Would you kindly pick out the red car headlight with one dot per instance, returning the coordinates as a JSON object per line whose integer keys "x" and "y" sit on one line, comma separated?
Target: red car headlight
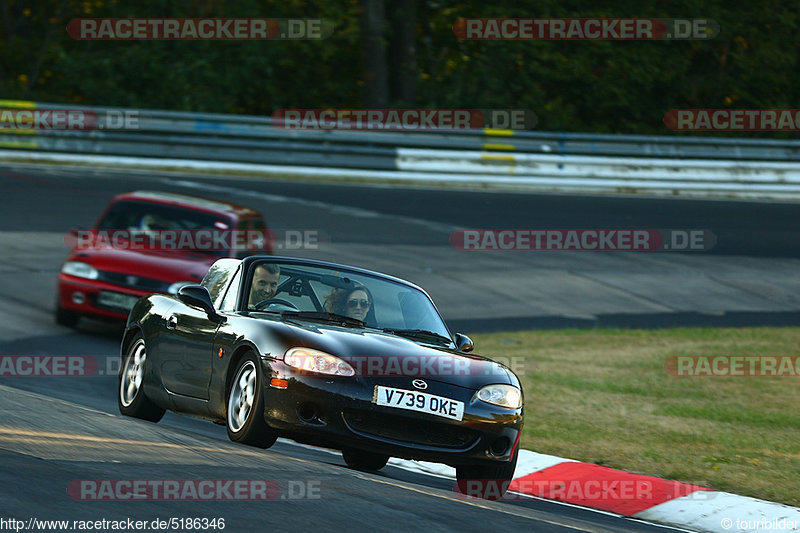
{"x": 79, "y": 269}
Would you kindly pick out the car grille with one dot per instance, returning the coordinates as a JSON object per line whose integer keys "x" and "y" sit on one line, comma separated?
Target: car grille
{"x": 402, "y": 429}
{"x": 132, "y": 281}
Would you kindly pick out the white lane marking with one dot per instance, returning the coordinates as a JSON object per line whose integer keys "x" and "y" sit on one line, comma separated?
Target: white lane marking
{"x": 336, "y": 209}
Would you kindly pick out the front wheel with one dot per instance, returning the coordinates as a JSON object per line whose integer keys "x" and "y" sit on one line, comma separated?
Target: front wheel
{"x": 245, "y": 418}
{"x": 130, "y": 397}
{"x": 362, "y": 460}
{"x": 486, "y": 482}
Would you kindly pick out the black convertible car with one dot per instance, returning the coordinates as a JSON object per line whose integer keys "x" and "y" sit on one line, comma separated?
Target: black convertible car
{"x": 325, "y": 354}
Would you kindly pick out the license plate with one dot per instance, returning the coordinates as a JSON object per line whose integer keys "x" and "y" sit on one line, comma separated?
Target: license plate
{"x": 419, "y": 401}
{"x": 116, "y": 300}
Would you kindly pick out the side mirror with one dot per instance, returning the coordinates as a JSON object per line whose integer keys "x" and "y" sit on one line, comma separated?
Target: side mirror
{"x": 197, "y": 296}
{"x": 464, "y": 343}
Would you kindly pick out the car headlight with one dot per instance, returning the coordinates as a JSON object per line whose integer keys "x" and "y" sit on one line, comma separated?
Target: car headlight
{"x": 310, "y": 360}
{"x": 79, "y": 269}
{"x": 502, "y": 395}
{"x": 175, "y": 287}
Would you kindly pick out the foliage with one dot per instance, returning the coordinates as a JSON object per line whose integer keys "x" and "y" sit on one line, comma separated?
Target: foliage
{"x": 591, "y": 86}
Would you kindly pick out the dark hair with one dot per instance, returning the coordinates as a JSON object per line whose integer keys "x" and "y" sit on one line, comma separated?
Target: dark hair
{"x": 336, "y": 302}
{"x": 272, "y": 268}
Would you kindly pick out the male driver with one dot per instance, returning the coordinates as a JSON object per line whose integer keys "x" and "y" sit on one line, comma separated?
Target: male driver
{"x": 265, "y": 283}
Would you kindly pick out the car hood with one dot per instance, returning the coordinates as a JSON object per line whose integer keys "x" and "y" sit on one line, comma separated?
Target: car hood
{"x": 375, "y": 354}
{"x": 167, "y": 267}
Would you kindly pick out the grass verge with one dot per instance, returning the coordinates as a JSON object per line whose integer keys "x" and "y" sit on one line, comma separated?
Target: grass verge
{"x": 604, "y": 397}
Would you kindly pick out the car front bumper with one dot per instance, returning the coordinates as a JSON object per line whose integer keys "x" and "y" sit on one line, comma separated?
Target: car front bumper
{"x": 340, "y": 413}
{"x": 83, "y": 296}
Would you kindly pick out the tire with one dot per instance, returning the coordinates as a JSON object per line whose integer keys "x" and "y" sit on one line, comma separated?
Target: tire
{"x": 486, "y": 482}
{"x": 130, "y": 393}
{"x": 245, "y": 412}
{"x": 66, "y": 318}
{"x": 362, "y": 460}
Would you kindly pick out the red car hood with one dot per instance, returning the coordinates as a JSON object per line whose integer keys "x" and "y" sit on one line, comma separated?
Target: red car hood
{"x": 168, "y": 267}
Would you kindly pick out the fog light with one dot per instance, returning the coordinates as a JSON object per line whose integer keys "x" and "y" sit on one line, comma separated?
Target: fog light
{"x": 309, "y": 412}
{"x": 499, "y": 446}
{"x": 78, "y": 298}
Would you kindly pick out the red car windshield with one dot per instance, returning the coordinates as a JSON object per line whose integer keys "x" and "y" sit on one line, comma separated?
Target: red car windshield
{"x": 168, "y": 227}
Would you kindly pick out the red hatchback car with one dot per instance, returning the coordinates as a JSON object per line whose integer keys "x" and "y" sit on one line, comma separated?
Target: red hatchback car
{"x": 151, "y": 242}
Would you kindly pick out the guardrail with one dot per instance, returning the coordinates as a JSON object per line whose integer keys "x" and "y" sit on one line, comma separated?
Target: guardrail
{"x": 559, "y": 161}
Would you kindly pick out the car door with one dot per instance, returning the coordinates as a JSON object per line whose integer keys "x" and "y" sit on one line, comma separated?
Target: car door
{"x": 187, "y": 347}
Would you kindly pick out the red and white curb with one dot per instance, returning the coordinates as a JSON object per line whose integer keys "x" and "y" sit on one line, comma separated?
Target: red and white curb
{"x": 637, "y": 496}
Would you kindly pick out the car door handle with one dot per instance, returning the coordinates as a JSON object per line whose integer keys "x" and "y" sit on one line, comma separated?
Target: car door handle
{"x": 172, "y": 322}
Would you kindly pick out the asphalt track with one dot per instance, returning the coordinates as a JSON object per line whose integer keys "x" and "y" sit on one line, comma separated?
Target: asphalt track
{"x": 56, "y": 430}
{"x": 748, "y": 278}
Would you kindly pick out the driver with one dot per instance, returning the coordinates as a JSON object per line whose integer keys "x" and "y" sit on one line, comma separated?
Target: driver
{"x": 265, "y": 283}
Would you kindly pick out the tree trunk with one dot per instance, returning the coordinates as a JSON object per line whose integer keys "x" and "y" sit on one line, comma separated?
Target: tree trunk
{"x": 373, "y": 29}
{"x": 403, "y": 52}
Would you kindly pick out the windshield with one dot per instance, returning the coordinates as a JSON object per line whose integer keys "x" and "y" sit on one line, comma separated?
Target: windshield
{"x": 166, "y": 227}
{"x": 312, "y": 292}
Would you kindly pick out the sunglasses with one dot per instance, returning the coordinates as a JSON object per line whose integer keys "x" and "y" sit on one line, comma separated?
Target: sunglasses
{"x": 354, "y": 303}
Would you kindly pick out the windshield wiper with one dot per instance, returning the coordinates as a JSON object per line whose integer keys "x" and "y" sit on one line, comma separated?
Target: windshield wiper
{"x": 323, "y": 316}
{"x": 418, "y": 333}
